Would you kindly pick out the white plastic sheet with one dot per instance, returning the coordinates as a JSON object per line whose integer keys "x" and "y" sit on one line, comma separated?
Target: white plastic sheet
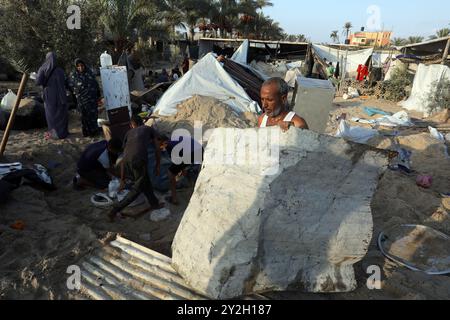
{"x": 8, "y": 101}
{"x": 400, "y": 119}
{"x": 423, "y": 85}
{"x": 291, "y": 76}
{"x": 206, "y": 78}
{"x": 354, "y": 58}
{"x": 241, "y": 54}
{"x": 379, "y": 59}
{"x": 355, "y": 134}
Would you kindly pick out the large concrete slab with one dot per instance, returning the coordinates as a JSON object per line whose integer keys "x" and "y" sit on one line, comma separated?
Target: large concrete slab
{"x": 252, "y": 228}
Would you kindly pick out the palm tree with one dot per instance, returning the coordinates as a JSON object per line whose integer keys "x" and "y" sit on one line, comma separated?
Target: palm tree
{"x": 415, "y": 39}
{"x": 335, "y": 36}
{"x": 442, "y": 33}
{"x": 347, "y": 27}
{"x": 120, "y": 18}
{"x": 398, "y": 42}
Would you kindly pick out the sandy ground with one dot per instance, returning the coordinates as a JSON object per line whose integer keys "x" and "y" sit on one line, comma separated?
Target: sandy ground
{"x": 398, "y": 200}
{"x": 62, "y": 226}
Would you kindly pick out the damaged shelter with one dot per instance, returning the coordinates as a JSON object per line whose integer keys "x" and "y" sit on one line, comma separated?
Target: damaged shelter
{"x": 230, "y": 83}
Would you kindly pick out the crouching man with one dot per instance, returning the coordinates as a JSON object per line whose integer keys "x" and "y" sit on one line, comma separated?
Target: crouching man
{"x": 95, "y": 167}
{"x": 177, "y": 148}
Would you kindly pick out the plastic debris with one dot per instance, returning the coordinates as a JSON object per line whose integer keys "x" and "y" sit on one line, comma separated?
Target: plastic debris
{"x": 424, "y": 181}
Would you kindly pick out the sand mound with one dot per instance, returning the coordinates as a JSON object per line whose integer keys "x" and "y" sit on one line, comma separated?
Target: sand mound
{"x": 210, "y": 112}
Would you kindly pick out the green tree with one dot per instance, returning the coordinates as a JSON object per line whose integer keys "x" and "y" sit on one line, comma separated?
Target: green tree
{"x": 398, "y": 42}
{"x": 414, "y": 39}
{"x": 29, "y": 29}
{"x": 442, "y": 33}
{"x": 335, "y": 36}
{"x": 347, "y": 27}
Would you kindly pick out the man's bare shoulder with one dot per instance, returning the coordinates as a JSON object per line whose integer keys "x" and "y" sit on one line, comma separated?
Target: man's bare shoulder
{"x": 260, "y": 120}
{"x": 299, "y": 122}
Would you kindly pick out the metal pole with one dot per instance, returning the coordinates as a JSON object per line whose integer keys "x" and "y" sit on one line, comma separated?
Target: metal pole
{"x": 23, "y": 84}
{"x": 447, "y": 48}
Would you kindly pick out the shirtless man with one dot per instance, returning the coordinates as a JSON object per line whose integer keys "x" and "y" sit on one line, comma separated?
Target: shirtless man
{"x": 274, "y": 98}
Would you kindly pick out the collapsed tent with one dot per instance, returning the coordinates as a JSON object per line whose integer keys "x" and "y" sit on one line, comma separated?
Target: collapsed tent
{"x": 241, "y": 54}
{"x": 249, "y": 79}
{"x": 425, "y": 84}
{"x": 379, "y": 59}
{"x": 429, "y": 51}
{"x": 207, "y": 78}
{"x": 354, "y": 58}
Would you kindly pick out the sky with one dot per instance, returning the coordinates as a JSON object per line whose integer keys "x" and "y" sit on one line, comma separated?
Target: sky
{"x": 316, "y": 19}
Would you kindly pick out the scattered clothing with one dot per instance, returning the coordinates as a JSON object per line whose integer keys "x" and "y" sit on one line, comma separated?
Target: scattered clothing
{"x": 400, "y": 119}
{"x": 52, "y": 79}
{"x": 37, "y": 176}
{"x": 7, "y": 168}
{"x": 363, "y": 72}
{"x": 374, "y": 111}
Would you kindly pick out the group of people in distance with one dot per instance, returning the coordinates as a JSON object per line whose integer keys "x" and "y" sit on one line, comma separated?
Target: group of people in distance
{"x": 129, "y": 159}
{"x": 96, "y": 163}
{"x": 83, "y": 85}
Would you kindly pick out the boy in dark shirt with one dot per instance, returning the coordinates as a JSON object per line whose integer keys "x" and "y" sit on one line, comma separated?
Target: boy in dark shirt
{"x": 179, "y": 162}
{"x": 135, "y": 164}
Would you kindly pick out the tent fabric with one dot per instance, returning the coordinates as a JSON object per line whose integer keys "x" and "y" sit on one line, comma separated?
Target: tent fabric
{"x": 246, "y": 77}
{"x": 354, "y": 133}
{"x": 379, "y": 59}
{"x": 241, "y": 54}
{"x": 291, "y": 76}
{"x": 354, "y": 58}
{"x": 394, "y": 64}
{"x": 423, "y": 85}
{"x": 206, "y": 78}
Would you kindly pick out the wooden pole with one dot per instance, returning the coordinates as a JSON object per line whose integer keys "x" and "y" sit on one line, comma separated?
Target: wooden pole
{"x": 445, "y": 56}
{"x": 5, "y": 138}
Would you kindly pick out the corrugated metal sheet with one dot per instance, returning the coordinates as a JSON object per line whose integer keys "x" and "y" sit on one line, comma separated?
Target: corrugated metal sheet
{"x": 124, "y": 270}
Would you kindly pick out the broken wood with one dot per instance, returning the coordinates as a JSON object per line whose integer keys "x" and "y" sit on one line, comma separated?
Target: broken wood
{"x": 12, "y": 117}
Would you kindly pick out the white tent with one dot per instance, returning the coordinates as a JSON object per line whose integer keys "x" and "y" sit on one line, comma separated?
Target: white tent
{"x": 424, "y": 81}
{"x": 354, "y": 58}
{"x": 379, "y": 59}
{"x": 241, "y": 54}
{"x": 206, "y": 78}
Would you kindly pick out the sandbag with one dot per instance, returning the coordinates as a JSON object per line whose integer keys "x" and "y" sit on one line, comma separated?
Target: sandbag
{"x": 30, "y": 115}
{"x": 8, "y": 101}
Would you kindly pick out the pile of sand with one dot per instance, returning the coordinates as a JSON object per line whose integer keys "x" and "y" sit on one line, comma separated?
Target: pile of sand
{"x": 210, "y": 112}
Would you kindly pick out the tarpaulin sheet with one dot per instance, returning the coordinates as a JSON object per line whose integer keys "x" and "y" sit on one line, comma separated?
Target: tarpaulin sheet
{"x": 424, "y": 85}
{"x": 207, "y": 78}
{"x": 241, "y": 54}
{"x": 354, "y": 58}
